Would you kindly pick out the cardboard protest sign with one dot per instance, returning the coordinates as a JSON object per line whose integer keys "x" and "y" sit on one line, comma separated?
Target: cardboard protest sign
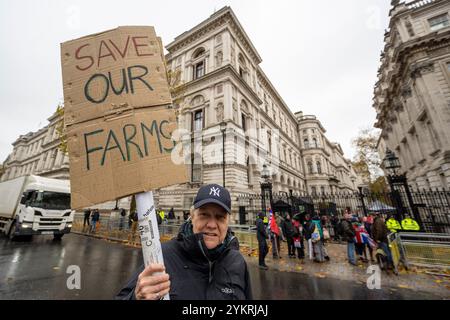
{"x": 116, "y": 68}
{"x": 121, "y": 156}
{"x": 117, "y": 116}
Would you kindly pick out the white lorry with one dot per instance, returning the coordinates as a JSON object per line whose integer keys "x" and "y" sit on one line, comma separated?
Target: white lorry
{"x": 31, "y": 205}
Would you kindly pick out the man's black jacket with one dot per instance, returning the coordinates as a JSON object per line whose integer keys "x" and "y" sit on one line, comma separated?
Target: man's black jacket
{"x": 195, "y": 275}
{"x": 261, "y": 233}
{"x": 288, "y": 228}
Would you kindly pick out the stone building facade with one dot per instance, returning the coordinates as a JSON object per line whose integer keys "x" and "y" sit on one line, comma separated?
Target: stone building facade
{"x": 412, "y": 94}
{"x": 38, "y": 153}
{"x": 326, "y": 168}
{"x": 222, "y": 84}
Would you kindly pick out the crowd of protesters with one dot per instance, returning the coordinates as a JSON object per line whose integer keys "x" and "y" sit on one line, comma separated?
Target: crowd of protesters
{"x": 307, "y": 235}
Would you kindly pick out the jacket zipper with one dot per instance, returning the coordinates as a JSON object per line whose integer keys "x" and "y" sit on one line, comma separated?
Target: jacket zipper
{"x": 209, "y": 262}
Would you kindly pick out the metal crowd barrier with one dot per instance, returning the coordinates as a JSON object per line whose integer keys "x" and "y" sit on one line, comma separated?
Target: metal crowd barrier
{"x": 119, "y": 229}
{"x": 425, "y": 249}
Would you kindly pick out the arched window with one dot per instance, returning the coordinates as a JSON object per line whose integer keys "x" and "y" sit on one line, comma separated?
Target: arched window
{"x": 199, "y": 63}
{"x": 310, "y": 167}
{"x": 319, "y": 167}
{"x": 242, "y": 67}
{"x": 306, "y": 143}
{"x": 198, "y": 53}
{"x": 314, "y": 143}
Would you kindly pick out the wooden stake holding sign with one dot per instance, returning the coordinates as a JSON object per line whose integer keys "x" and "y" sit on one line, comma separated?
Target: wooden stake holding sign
{"x": 118, "y": 124}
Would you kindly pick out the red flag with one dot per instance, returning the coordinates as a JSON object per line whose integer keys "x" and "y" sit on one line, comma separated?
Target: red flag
{"x": 273, "y": 224}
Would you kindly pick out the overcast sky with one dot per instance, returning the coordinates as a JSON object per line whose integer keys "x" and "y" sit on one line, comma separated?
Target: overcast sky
{"x": 321, "y": 56}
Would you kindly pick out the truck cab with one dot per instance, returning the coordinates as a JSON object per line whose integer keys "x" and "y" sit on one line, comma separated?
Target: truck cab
{"x": 44, "y": 208}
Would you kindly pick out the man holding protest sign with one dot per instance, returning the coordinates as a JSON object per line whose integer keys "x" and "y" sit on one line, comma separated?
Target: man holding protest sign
{"x": 119, "y": 124}
{"x": 119, "y": 128}
{"x": 201, "y": 263}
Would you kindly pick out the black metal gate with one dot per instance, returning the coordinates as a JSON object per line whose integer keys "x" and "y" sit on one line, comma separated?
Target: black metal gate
{"x": 431, "y": 208}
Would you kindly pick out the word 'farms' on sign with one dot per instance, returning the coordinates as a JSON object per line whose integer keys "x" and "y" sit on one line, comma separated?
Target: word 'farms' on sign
{"x": 127, "y": 141}
{"x": 123, "y": 156}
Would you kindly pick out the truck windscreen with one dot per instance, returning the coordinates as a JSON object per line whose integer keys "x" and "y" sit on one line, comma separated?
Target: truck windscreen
{"x": 52, "y": 200}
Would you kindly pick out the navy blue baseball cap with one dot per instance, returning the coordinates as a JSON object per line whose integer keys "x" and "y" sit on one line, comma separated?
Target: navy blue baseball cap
{"x": 213, "y": 193}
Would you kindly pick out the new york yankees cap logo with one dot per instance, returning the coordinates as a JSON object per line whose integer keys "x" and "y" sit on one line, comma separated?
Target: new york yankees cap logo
{"x": 213, "y": 193}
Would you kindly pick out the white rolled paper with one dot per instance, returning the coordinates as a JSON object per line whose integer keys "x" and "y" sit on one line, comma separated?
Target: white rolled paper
{"x": 148, "y": 230}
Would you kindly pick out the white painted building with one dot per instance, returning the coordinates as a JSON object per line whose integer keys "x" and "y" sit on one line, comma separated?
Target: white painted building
{"x": 224, "y": 82}
{"x": 412, "y": 94}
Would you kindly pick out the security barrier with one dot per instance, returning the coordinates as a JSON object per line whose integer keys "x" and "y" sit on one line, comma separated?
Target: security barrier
{"x": 425, "y": 249}
{"x": 119, "y": 229}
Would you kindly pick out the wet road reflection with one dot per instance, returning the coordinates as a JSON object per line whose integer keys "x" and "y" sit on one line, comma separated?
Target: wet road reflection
{"x": 37, "y": 270}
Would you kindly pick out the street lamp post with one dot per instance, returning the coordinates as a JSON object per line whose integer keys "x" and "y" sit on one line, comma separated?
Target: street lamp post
{"x": 223, "y": 128}
{"x": 391, "y": 163}
{"x": 266, "y": 189}
{"x": 361, "y": 197}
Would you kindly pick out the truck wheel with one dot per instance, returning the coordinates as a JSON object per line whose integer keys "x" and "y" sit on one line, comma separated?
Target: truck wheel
{"x": 12, "y": 232}
{"x": 57, "y": 237}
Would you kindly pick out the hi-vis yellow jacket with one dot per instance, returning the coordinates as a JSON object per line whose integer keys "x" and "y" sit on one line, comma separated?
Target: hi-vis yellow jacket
{"x": 410, "y": 224}
{"x": 393, "y": 225}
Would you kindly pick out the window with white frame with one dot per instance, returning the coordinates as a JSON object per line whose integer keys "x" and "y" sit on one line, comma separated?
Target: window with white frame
{"x": 199, "y": 70}
{"x": 196, "y": 173}
{"x": 439, "y": 22}
{"x": 243, "y": 72}
{"x": 199, "y": 63}
{"x": 198, "y": 120}
{"x": 306, "y": 143}
{"x": 243, "y": 119}
{"x": 310, "y": 167}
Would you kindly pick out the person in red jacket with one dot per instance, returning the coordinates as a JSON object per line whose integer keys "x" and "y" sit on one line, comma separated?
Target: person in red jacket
{"x": 298, "y": 237}
{"x": 360, "y": 244}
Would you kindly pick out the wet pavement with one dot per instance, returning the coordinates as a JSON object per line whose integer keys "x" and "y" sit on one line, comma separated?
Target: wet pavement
{"x": 36, "y": 269}
{"x": 274, "y": 284}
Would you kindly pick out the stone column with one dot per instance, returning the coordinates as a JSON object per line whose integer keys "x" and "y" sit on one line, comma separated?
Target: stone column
{"x": 228, "y": 101}
{"x": 436, "y": 103}
{"x": 226, "y": 48}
